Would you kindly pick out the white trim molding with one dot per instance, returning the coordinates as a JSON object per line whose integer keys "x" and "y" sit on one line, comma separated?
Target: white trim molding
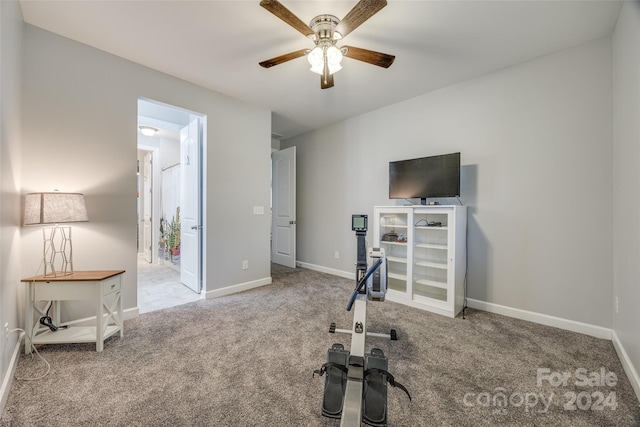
{"x": 632, "y": 374}
{"x": 327, "y": 270}
{"x": 8, "y": 377}
{"x": 228, "y": 290}
{"x": 542, "y": 319}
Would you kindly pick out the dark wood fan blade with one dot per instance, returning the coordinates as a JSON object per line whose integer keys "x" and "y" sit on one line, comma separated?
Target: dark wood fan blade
{"x": 275, "y": 7}
{"x": 369, "y": 56}
{"x": 282, "y": 58}
{"x": 362, "y": 11}
{"x": 326, "y": 80}
{"x": 326, "y": 83}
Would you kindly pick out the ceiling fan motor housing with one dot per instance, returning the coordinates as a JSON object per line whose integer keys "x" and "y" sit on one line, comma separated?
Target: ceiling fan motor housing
{"x": 324, "y": 27}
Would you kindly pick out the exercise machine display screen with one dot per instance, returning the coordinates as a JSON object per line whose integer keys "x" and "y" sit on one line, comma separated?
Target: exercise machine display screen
{"x": 359, "y": 222}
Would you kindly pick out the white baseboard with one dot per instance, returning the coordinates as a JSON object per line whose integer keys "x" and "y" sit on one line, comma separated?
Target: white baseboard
{"x": 130, "y": 313}
{"x": 542, "y": 319}
{"x": 631, "y": 372}
{"x": 327, "y": 270}
{"x": 8, "y": 377}
{"x": 215, "y": 293}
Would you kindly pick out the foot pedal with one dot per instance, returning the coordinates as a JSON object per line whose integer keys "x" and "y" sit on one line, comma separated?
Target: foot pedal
{"x": 336, "y": 381}
{"x": 374, "y": 400}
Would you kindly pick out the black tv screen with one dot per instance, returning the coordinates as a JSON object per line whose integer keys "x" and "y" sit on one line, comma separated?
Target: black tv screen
{"x": 425, "y": 177}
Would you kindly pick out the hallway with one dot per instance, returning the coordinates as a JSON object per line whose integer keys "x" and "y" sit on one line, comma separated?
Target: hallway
{"x": 159, "y": 287}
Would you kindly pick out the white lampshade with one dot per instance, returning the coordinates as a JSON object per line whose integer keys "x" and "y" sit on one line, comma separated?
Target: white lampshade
{"x": 54, "y": 208}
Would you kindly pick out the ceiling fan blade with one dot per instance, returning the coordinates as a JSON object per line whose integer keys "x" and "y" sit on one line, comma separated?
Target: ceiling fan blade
{"x": 362, "y": 11}
{"x": 282, "y": 58}
{"x": 369, "y": 56}
{"x": 326, "y": 79}
{"x": 275, "y": 7}
{"x": 326, "y": 83}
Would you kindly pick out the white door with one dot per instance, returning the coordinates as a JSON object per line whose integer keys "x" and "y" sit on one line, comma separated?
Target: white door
{"x": 190, "y": 190}
{"x": 147, "y": 206}
{"x": 283, "y": 239}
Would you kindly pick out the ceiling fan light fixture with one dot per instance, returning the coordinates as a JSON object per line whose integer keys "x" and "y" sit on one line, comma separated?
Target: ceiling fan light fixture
{"x": 316, "y": 57}
{"x": 334, "y": 68}
{"x": 317, "y": 68}
{"x": 334, "y": 55}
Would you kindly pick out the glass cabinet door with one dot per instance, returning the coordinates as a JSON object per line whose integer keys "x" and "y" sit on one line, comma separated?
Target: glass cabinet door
{"x": 393, "y": 239}
{"x": 430, "y": 255}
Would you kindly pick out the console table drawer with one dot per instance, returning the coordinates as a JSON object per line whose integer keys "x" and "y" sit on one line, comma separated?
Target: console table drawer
{"x": 111, "y": 285}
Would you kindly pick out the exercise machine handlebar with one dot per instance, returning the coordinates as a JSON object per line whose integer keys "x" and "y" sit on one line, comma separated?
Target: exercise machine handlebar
{"x": 362, "y": 282}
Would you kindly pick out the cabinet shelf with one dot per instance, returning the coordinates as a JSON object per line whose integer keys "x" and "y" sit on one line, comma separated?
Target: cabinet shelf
{"x": 430, "y": 264}
{"x": 397, "y": 276}
{"x": 431, "y": 227}
{"x": 431, "y": 283}
{"x": 397, "y": 259}
{"x": 74, "y": 334}
{"x": 384, "y": 242}
{"x": 432, "y": 246}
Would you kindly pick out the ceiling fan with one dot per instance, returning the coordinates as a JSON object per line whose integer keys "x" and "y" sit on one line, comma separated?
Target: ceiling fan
{"x": 325, "y": 31}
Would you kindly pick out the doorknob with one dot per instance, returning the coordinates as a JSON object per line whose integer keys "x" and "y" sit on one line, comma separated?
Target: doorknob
{"x": 196, "y": 227}
{"x": 292, "y": 222}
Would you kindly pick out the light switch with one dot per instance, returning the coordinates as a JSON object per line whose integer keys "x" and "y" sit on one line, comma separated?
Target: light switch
{"x": 258, "y": 210}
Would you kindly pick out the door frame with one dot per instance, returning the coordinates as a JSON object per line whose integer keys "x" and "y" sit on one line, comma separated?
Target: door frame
{"x": 175, "y": 125}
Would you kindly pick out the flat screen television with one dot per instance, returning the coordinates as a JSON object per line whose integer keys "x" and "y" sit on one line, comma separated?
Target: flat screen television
{"x": 425, "y": 177}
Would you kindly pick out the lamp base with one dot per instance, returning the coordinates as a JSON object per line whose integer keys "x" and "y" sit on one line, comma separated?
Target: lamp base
{"x": 57, "y": 251}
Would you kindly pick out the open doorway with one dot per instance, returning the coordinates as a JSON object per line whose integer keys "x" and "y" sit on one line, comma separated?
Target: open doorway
{"x": 170, "y": 208}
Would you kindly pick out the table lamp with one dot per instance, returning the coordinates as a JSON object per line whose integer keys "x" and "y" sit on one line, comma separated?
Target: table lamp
{"x": 55, "y": 208}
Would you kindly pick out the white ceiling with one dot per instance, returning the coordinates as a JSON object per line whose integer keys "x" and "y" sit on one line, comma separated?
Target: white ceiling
{"x": 218, "y": 44}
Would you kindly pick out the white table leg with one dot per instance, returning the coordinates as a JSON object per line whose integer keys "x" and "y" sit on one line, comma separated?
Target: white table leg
{"x": 99, "y": 319}
{"x": 28, "y": 327}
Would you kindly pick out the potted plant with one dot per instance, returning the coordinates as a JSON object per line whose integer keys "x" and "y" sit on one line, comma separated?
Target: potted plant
{"x": 174, "y": 234}
{"x": 162, "y": 241}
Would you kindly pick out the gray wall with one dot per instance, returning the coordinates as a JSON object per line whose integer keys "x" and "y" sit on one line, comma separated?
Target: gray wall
{"x": 626, "y": 190}
{"x": 10, "y": 140}
{"x": 537, "y": 175}
{"x": 80, "y": 134}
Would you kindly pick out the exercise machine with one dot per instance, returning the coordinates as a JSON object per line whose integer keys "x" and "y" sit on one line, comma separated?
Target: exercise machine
{"x": 356, "y": 382}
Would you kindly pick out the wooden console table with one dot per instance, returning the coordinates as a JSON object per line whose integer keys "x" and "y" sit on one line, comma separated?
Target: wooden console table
{"x": 102, "y": 287}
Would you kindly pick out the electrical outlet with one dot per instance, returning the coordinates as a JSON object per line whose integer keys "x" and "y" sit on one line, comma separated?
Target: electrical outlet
{"x": 615, "y": 304}
{"x": 245, "y": 264}
{"x": 6, "y": 330}
{"x": 336, "y": 255}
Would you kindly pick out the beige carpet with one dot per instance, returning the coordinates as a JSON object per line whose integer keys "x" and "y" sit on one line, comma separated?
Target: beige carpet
{"x": 247, "y": 360}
